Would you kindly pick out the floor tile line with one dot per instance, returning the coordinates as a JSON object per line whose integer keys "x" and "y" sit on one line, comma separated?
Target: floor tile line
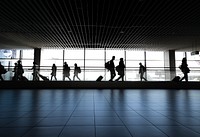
{"x": 121, "y": 121}
{"x": 151, "y": 123}
{"x": 185, "y": 126}
{"x": 95, "y": 130}
{"x": 69, "y": 117}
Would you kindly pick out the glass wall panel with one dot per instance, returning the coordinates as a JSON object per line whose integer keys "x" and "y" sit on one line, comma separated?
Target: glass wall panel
{"x": 118, "y": 54}
{"x": 193, "y": 62}
{"x": 194, "y": 65}
{"x": 133, "y": 58}
{"x": 94, "y": 63}
{"x": 73, "y": 56}
{"x": 179, "y": 56}
{"x": 155, "y": 66}
{"x": 7, "y": 59}
{"x": 27, "y": 62}
{"x": 50, "y": 57}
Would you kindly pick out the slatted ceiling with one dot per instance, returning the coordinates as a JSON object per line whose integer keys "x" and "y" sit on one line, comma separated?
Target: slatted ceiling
{"x": 131, "y": 24}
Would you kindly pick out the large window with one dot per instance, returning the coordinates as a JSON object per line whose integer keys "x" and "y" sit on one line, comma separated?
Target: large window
{"x": 50, "y": 57}
{"x": 118, "y": 54}
{"x": 9, "y": 57}
{"x": 155, "y": 66}
{"x": 193, "y": 62}
{"x": 94, "y": 63}
{"x": 72, "y": 56}
{"x": 133, "y": 58}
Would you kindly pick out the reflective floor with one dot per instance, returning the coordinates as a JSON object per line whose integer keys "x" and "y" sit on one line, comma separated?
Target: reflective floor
{"x": 99, "y": 113}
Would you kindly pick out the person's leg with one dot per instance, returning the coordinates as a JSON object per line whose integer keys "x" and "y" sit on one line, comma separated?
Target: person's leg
{"x": 122, "y": 77}
{"x": 1, "y": 78}
{"x": 141, "y": 76}
{"x": 110, "y": 75}
{"x": 182, "y": 78}
{"x": 78, "y": 77}
{"x": 73, "y": 78}
{"x": 113, "y": 75}
{"x": 144, "y": 77}
{"x": 55, "y": 78}
{"x": 69, "y": 78}
{"x": 186, "y": 77}
{"x": 37, "y": 77}
{"x": 118, "y": 78}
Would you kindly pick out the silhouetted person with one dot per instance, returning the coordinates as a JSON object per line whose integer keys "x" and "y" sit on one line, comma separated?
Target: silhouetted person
{"x": 76, "y": 71}
{"x": 20, "y": 70}
{"x": 66, "y": 71}
{"x": 35, "y": 72}
{"x": 53, "y": 73}
{"x": 112, "y": 69}
{"x": 120, "y": 69}
{"x": 15, "y": 77}
{"x": 142, "y": 70}
{"x": 2, "y": 71}
{"x": 184, "y": 68}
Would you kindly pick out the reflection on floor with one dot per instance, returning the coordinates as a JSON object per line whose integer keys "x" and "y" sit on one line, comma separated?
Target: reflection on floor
{"x": 99, "y": 113}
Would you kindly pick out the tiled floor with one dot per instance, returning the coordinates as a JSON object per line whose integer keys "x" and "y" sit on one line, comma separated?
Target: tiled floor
{"x": 99, "y": 113}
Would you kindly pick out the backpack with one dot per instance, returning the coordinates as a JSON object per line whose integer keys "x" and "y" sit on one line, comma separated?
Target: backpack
{"x": 78, "y": 69}
{"x": 118, "y": 68}
{"x": 144, "y": 69}
{"x": 107, "y": 65}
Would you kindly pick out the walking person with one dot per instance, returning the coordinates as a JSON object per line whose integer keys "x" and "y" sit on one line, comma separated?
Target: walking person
{"x": 15, "y": 77}
{"x": 53, "y": 73}
{"x": 76, "y": 71}
{"x": 142, "y": 70}
{"x": 120, "y": 69}
{"x": 112, "y": 69}
{"x": 66, "y": 71}
{"x": 184, "y": 68}
{"x": 20, "y": 71}
{"x": 35, "y": 71}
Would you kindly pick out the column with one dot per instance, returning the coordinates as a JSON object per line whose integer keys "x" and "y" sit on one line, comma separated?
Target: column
{"x": 170, "y": 66}
{"x": 37, "y": 56}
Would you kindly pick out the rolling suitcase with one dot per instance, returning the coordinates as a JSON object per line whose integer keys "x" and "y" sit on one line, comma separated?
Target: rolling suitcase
{"x": 176, "y": 79}
{"x": 99, "y": 78}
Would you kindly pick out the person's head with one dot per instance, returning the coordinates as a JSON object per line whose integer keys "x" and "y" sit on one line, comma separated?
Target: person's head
{"x": 121, "y": 59}
{"x": 54, "y": 64}
{"x": 113, "y": 57}
{"x": 75, "y": 65}
{"x": 140, "y": 63}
